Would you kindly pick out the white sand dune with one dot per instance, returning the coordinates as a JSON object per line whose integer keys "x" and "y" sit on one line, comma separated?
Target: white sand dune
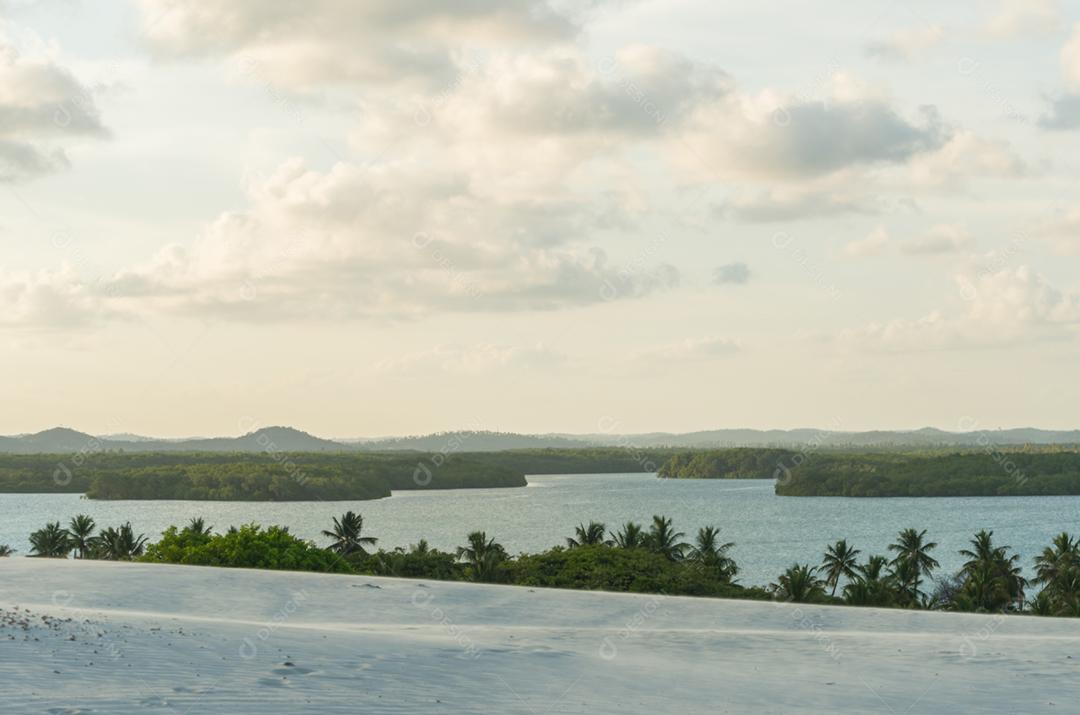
{"x": 89, "y": 637}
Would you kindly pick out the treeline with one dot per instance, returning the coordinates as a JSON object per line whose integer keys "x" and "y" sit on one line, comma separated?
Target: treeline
{"x": 634, "y": 558}
{"x": 737, "y": 463}
{"x": 589, "y": 460}
{"x": 984, "y": 473}
{"x": 248, "y": 477}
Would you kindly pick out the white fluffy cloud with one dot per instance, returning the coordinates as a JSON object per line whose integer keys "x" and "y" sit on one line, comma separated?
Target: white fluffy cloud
{"x": 875, "y": 244}
{"x": 42, "y": 108}
{"x": 325, "y": 41}
{"x": 943, "y": 238}
{"x": 993, "y": 308}
{"x": 1070, "y": 60}
{"x": 1015, "y": 18}
{"x": 388, "y": 240}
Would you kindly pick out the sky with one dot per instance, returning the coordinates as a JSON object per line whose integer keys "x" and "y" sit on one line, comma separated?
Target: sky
{"x": 406, "y": 216}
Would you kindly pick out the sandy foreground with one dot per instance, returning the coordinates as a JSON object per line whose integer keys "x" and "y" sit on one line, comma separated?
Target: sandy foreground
{"x": 95, "y": 637}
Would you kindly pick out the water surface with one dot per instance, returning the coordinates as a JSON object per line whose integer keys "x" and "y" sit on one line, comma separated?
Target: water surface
{"x": 770, "y": 532}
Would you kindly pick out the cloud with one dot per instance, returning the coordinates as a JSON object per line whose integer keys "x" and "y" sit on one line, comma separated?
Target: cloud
{"x": 50, "y": 300}
{"x": 1012, "y": 306}
{"x": 874, "y": 244}
{"x": 1062, "y": 233}
{"x": 358, "y": 43}
{"x": 737, "y": 273}
{"x": 793, "y": 204}
{"x": 965, "y": 156}
{"x": 691, "y": 349}
{"x": 1064, "y": 113}
{"x": 907, "y": 43}
{"x": 943, "y": 238}
{"x": 1070, "y": 60}
{"x": 772, "y": 137}
{"x": 389, "y": 241}
{"x": 473, "y": 360}
{"x": 1018, "y": 18}
{"x": 42, "y": 108}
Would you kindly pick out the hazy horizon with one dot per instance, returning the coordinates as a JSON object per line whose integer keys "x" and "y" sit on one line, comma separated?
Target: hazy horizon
{"x": 388, "y": 219}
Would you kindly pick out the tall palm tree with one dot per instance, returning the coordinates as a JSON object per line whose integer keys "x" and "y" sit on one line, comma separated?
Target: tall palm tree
{"x": 631, "y": 536}
{"x": 483, "y": 556}
{"x": 993, "y": 576}
{"x": 664, "y": 540}
{"x": 840, "y": 560}
{"x": 81, "y": 530}
{"x": 913, "y": 559}
{"x": 709, "y": 553}
{"x": 120, "y": 544}
{"x": 799, "y": 584}
{"x": 591, "y": 535}
{"x": 347, "y": 535}
{"x": 420, "y": 548}
{"x": 1062, "y": 556}
{"x": 52, "y": 541}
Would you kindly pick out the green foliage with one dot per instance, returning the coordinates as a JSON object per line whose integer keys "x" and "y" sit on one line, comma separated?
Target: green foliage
{"x": 840, "y": 562}
{"x": 664, "y": 540}
{"x": 117, "y": 544}
{"x": 616, "y": 569}
{"x": 799, "y": 584}
{"x": 52, "y": 542}
{"x": 1057, "y": 568}
{"x": 591, "y": 535}
{"x": 249, "y": 546}
{"x": 737, "y": 463}
{"x": 420, "y": 561}
{"x": 1018, "y": 472}
{"x": 347, "y": 535}
{"x": 248, "y": 477}
{"x": 81, "y": 531}
{"x": 483, "y": 557}
{"x": 6, "y": 551}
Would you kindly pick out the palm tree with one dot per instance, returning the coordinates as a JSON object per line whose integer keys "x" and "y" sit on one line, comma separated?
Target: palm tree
{"x": 6, "y": 550}
{"x": 631, "y": 536}
{"x": 992, "y": 577}
{"x": 872, "y": 586}
{"x": 840, "y": 560}
{"x": 347, "y": 535}
{"x": 119, "y": 544}
{"x": 52, "y": 541}
{"x": 81, "y": 530}
{"x": 709, "y": 553}
{"x": 913, "y": 560}
{"x": 591, "y": 535}
{"x": 483, "y": 556}
{"x": 664, "y": 540}
{"x": 1062, "y": 556}
{"x": 420, "y": 548}
{"x": 798, "y": 584}
{"x": 197, "y": 527}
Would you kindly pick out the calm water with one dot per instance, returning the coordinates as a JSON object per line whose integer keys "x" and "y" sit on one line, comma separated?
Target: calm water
{"x": 770, "y": 532}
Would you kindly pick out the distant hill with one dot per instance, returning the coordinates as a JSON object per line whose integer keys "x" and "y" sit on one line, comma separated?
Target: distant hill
{"x": 464, "y": 441}
{"x": 62, "y": 440}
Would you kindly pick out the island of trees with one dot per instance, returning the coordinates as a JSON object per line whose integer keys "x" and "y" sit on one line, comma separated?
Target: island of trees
{"x": 246, "y": 476}
{"x": 1031, "y": 471}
